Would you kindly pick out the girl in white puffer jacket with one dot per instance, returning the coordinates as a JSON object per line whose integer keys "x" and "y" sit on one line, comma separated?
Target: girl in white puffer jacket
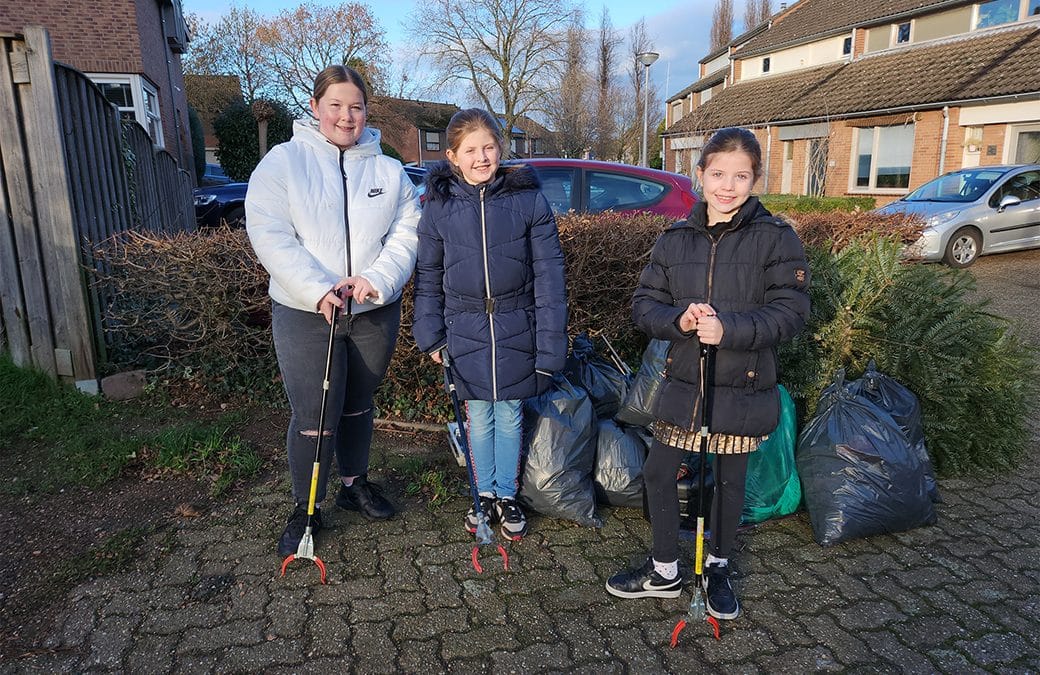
{"x": 333, "y": 221}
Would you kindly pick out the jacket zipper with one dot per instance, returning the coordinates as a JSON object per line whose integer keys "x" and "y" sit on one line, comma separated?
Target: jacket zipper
{"x": 489, "y": 303}
{"x": 346, "y": 227}
{"x": 711, "y": 281}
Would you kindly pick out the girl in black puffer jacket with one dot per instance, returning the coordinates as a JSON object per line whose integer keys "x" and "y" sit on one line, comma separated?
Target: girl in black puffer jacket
{"x": 489, "y": 288}
{"x": 734, "y": 277}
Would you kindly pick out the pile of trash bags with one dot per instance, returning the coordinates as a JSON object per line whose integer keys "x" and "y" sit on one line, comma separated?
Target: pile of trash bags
{"x": 586, "y": 439}
{"x": 863, "y": 462}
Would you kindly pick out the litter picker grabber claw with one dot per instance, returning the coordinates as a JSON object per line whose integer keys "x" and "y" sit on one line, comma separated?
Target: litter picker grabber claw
{"x": 696, "y": 612}
{"x": 305, "y": 550}
{"x": 484, "y": 535}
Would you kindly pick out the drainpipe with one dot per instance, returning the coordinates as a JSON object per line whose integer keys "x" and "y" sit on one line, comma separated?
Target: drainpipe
{"x": 769, "y": 151}
{"x": 418, "y": 135}
{"x": 945, "y": 137}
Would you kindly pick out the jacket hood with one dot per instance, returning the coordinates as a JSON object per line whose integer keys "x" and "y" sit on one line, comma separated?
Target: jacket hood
{"x": 305, "y": 130}
{"x": 442, "y": 181}
{"x": 750, "y": 211}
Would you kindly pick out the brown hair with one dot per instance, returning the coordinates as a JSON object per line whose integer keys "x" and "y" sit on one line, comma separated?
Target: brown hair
{"x": 336, "y": 75}
{"x": 467, "y": 121}
{"x": 733, "y": 139}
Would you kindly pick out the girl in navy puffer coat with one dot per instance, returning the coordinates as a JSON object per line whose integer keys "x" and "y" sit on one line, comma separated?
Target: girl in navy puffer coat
{"x": 489, "y": 288}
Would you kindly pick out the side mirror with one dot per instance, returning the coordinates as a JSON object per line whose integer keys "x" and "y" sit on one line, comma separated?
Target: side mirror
{"x": 1006, "y": 201}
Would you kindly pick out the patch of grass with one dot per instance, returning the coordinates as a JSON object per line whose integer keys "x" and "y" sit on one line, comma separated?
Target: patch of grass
{"x": 112, "y": 555}
{"x": 54, "y": 437}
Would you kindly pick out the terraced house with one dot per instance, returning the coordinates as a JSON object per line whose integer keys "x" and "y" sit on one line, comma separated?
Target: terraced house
{"x": 871, "y": 98}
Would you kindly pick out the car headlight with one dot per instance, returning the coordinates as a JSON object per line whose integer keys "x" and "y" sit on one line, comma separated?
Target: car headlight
{"x": 940, "y": 218}
{"x": 204, "y": 200}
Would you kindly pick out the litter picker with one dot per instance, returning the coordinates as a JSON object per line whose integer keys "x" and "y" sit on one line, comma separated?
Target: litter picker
{"x": 696, "y": 612}
{"x": 484, "y": 535}
{"x": 305, "y": 550}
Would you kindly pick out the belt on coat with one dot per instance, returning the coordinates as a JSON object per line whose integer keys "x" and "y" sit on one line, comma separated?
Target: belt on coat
{"x": 488, "y": 305}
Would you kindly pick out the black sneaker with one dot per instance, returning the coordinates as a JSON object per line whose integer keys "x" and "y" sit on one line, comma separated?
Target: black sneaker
{"x": 509, "y": 513}
{"x": 365, "y": 497}
{"x": 290, "y": 540}
{"x": 644, "y": 582}
{"x": 721, "y": 602}
{"x": 487, "y": 506}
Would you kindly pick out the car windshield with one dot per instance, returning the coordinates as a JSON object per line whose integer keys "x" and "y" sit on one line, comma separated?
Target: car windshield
{"x": 958, "y": 187}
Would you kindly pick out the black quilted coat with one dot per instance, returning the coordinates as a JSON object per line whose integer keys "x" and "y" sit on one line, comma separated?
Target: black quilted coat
{"x": 753, "y": 271}
{"x": 489, "y": 283}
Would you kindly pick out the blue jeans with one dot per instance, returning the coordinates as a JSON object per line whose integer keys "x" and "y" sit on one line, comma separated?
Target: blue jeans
{"x": 494, "y": 445}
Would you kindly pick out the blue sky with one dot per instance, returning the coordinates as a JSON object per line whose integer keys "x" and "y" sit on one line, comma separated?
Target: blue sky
{"x": 678, "y": 29}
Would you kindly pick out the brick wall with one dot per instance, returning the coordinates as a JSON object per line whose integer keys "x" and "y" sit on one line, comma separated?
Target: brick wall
{"x": 91, "y": 35}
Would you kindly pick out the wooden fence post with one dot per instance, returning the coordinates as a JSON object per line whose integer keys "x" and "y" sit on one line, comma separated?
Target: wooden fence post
{"x": 74, "y": 351}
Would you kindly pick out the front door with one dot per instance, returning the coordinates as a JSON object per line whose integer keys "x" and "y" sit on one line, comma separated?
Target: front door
{"x": 788, "y": 164}
{"x": 816, "y": 167}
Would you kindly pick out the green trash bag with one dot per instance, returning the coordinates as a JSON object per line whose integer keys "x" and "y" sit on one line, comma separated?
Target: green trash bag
{"x": 773, "y": 488}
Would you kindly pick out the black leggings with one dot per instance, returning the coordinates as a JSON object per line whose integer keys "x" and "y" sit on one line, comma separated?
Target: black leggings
{"x": 662, "y": 495}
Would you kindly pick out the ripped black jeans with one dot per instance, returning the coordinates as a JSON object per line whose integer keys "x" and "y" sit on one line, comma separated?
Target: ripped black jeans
{"x": 362, "y": 349}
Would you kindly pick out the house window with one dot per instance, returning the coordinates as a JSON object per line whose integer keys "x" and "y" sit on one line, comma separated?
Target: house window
{"x": 136, "y": 99}
{"x": 997, "y": 13}
{"x": 433, "y": 140}
{"x": 1034, "y": 8}
{"x": 676, "y": 112}
{"x": 536, "y": 147}
{"x": 765, "y": 65}
{"x": 903, "y": 33}
{"x": 846, "y": 46}
{"x": 883, "y": 156}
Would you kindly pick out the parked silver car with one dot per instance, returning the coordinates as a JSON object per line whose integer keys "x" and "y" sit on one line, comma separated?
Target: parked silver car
{"x": 973, "y": 212}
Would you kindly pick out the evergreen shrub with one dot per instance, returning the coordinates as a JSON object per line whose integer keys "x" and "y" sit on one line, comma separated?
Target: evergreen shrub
{"x": 238, "y": 133}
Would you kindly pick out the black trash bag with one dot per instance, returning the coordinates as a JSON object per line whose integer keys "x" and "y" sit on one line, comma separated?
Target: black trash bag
{"x": 605, "y": 384}
{"x": 638, "y": 406}
{"x": 901, "y": 403}
{"x": 559, "y": 453}
{"x": 860, "y": 477}
{"x": 620, "y": 454}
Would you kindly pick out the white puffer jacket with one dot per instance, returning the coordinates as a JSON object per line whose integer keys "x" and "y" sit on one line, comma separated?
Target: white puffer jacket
{"x": 307, "y": 240}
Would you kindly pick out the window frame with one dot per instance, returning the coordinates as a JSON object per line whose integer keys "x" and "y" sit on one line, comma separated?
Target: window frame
{"x": 846, "y": 46}
{"x": 871, "y": 187}
{"x": 431, "y": 140}
{"x": 976, "y": 13}
{"x": 148, "y": 116}
{"x": 897, "y": 27}
{"x": 766, "y": 64}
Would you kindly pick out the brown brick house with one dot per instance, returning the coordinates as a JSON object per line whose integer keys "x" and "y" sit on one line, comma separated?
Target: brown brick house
{"x": 130, "y": 48}
{"x": 872, "y": 98}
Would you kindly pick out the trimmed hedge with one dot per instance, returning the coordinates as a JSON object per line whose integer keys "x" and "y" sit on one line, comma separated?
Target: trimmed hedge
{"x": 803, "y": 204}
{"x": 196, "y": 305}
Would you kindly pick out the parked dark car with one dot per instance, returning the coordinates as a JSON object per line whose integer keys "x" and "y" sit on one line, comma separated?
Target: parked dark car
{"x": 214, "y": 175}
{"x": 417, "y": 175}
{"x": 587, "y": 185}
{"x": 221, "y": 204}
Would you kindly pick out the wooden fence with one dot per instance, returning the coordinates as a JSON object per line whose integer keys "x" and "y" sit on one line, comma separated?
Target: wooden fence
{"x": 72, "y": 174}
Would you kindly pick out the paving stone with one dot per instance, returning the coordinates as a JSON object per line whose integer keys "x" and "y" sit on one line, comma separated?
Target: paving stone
{"x": 213, "y": 640}
{"x": 531, "y": 659}
{"x": 995, "y": 649}
{"x": 168, "y": 622}
{"x": 152, "y": 654}
{"x": 867, "y": 615}
{"x": 255, "y": 658}
{"x": 441, "y": 588}
{"x": 419, "y": 656}
{"x": 889, "y": 649}
{"x": 431, "y": 624}
{"x": 800, "y": 660}
{"x": 585, "y": 642}
{"x": 926, "y": 632}
{"x": 479, "y": 639}
{"x": 370, "y": 642}
{"x": 330, "y": 635}
{"x": 109, "y": 641}
{"x": 949, "y": 661}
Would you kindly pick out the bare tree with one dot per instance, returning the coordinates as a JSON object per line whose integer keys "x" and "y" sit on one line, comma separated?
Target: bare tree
{"x": 631, "y": 137}
{"x": 722, "y": 24}
{"x": 506, "y": 50}
{"x": 605, "y": 138}
{"x": 570, "y": 111}
{"x": 304, "y": 40}
{"x": 755, "y": 12}
{"x": 230, "y": 46}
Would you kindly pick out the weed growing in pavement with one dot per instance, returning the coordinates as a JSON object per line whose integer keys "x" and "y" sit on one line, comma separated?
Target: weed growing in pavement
{"x": 434, "y": 483}
{"x": 58, "y": 437}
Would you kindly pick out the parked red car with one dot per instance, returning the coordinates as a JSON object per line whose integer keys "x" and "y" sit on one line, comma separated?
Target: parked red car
{"x": 592, "y": 186}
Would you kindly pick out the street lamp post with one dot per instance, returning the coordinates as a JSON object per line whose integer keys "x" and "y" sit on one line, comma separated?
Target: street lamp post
{"x": 647, "y": 59}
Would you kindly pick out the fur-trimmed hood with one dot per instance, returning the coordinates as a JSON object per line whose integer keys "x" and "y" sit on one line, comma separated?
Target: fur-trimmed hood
{"x": 442, "y": 181}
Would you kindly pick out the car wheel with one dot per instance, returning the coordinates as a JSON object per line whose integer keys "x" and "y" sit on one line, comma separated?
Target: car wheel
{"x": 236, "y": 218}
{"x": 963, "y": 247}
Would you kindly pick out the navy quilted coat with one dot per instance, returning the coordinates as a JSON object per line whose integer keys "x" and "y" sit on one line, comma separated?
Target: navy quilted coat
{"x": 489, "y": 283}
{"x": 753, "y": 271}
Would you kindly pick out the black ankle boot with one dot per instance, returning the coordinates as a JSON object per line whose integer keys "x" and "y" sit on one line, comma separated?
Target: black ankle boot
{"x": 365, "y": 497}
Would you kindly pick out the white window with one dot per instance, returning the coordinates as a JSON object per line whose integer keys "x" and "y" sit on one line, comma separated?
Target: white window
{"x": 1023, "y": 146}
{"x": 433, "y": 140}
{"x": 846, "y": 46}
{"x": 765, "y": 65}
{"x": 902, "y": 35}
{"x": 997, "y": 13}
{"x": 136, "y": 99}
{"x": 882, "y": 158}
{"x": 676, "y": 111}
